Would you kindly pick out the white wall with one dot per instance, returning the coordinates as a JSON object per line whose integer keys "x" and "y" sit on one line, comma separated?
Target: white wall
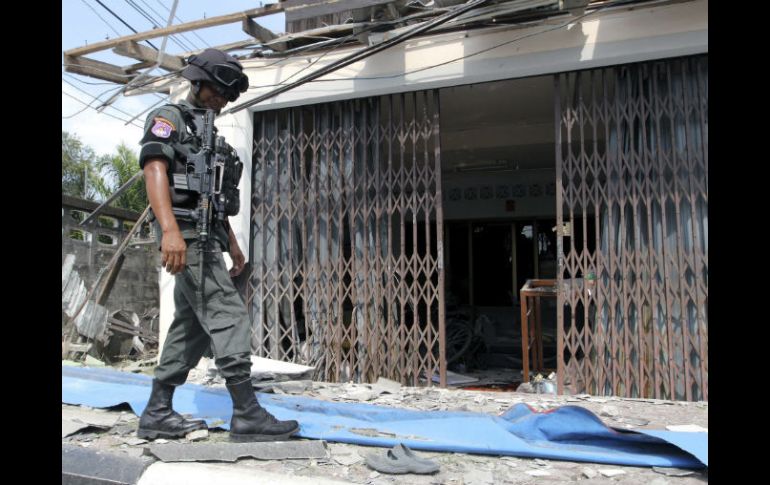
{"x": 606, "y": 38}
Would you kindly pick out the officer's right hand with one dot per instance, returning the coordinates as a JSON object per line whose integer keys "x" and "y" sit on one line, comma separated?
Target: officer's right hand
{"x": 173, "y": 251}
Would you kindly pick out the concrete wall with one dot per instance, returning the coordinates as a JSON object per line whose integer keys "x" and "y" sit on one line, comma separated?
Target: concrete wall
{"x": 136, "y": 287}
{"x": 619, "y": 35}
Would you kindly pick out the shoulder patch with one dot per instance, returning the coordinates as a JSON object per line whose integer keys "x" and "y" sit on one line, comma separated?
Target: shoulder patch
{"x": 162, "y": 127}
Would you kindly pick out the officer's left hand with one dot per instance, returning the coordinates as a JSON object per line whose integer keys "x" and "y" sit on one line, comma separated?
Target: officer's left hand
{"x": 239, "y": 260}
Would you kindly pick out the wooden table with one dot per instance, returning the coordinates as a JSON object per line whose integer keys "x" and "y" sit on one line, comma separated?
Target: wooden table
{"x": 531, "y": 326}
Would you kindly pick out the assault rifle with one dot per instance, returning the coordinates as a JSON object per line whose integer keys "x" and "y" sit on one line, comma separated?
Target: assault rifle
{"x": 213, "y": 173}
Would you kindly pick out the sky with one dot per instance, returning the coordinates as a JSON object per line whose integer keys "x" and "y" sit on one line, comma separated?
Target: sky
{"x": 88, "y": 21}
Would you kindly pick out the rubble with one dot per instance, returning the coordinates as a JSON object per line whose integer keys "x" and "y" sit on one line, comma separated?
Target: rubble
{"x": 611, "y": 472}
{"x": 478, "y": 477}
{"x": 197, "y": 435}
{"x": 90, "y": 417}
{"x": 609, "y": 411}
{"x": 344, "y": 461}
{"x": 672, "y": 472}
{"x": 71, "y": 427}
{"x": 231, "y": 452}
{"x": 286, "y": 387}
{"x": 347, "y": 459}
{"x": 538, "y": 473}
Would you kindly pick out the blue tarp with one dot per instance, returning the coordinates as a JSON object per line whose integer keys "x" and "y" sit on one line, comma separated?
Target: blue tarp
{"x": 566, "y": 433}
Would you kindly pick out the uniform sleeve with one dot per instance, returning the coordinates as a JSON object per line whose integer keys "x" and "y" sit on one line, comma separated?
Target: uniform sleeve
{"x": 161, "y": 131}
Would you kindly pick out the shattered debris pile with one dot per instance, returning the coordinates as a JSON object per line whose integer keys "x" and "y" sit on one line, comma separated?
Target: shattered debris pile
{"x": 351, "y": 462}
{"x": 90, "y": 329}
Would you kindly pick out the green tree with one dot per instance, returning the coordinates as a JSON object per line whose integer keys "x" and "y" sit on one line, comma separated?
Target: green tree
{"x": 118, "y": 168}
{"x": 79, "y": 172}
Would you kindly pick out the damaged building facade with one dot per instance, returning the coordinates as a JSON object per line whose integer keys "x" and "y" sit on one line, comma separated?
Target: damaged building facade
{"x": 386, "y": 188}
{"x": 394, "y": 208}
{"x": 121, "y": 317}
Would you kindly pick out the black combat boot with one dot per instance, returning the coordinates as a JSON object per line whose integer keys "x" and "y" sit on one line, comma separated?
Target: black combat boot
{"x": 159, "y": 420}
{"x": 250, "y": 420}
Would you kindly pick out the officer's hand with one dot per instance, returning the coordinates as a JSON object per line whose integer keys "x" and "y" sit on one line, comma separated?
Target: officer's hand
{"x": 239, "y": 260}
{"x": 173, "y": 252}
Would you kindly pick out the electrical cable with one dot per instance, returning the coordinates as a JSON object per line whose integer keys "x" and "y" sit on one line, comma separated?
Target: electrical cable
{"x": 123, "y": 21}
{"x": 101, "y": 18}
{"x": 180, "y": 35}
{"x": 400, "y": 74}
{"x": 108, "y": 114}
{"x": 155, "y": 25}
{"x": 95, "y": 98}
{"x": 182, "y": 21}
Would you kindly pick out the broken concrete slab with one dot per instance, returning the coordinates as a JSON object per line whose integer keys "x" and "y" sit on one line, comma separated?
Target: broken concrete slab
{"x": 125, "y": 429}
{"x": 197, "y": 435}
{"x": 611, "y": 472}
{"x": 93, "y": 417}
{"x": 384, "y": 385}
{"x": 93, "y": 466}
{"x": 589, "y": 472}
{"x": 285, "y": 387}
{"x": 327, "y": 394}
{"x": 208, "y": 473}
{"x": 609, "y": 411}
{"x": 632, "y": 421}
{"x": 347, "y": 459}
{"x": 93, "y": 362}
{"x": 70, "y": 427}
{"x": 538, "y": 473}
{"x": 361, "y": 394}
{"x": 231, "y": 452}
{"x": 673, "y": 472}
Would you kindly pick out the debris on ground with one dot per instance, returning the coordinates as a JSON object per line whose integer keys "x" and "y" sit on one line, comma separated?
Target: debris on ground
{"x": 231, "y": 452}
{"x": 672, "y": 472}
{"x": 197, "y": 435}
{"x": 611, "y": 472}
{"x": 345, "y": 461}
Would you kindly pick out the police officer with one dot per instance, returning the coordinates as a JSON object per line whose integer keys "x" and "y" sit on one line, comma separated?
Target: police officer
{"x": 169, "y": 136}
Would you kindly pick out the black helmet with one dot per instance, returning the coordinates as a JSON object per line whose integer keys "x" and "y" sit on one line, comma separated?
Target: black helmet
{"x": 220, "y": 69}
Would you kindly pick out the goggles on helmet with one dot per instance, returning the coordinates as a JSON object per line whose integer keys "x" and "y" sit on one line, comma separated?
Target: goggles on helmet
{"x": 229, "y": 94}
{"x": 226, "y": 74}
{"x": 231, "y": 80}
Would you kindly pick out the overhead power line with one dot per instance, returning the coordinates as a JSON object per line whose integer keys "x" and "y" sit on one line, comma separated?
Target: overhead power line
{"x": 123, "y": 21}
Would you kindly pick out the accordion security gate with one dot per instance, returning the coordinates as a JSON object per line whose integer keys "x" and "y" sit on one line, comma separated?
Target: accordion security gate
{"x": 346, "y": 226}
{"x": 632, "y": 178}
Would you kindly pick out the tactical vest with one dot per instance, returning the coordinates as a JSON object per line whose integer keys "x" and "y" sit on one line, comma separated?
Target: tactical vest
{"x": 187, "y": 143}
